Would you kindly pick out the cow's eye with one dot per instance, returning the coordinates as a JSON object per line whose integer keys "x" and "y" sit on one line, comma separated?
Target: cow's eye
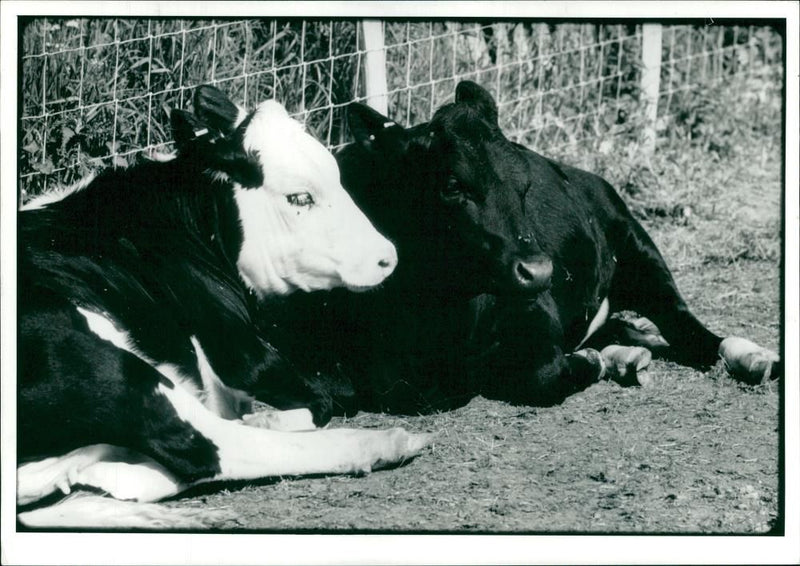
{"x": 300, "y": 199}
{"x": 454, "y": 191}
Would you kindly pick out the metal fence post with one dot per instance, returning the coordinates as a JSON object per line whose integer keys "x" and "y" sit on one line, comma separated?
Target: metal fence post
{"x": 651, "y": 81}
{"x": 375, "y": 65}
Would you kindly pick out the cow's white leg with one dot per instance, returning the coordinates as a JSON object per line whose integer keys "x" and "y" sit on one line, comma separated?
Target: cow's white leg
{"x": 39, "y": 479}
{"x": 143, "y": 480}
{"x": 747, "y": 360}
{"x": 292, "y": 420}
{"x": 249, "y": 453}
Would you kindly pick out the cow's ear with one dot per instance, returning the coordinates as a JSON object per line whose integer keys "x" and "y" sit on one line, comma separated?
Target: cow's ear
{"x": 240, "y": 166}
{"x": 468, "y": 91}
{"x": 373, "y": 131}
{"x": 213, "y": 107}
{"x": 222, "y": 155}
{"x": 186, "y": 127}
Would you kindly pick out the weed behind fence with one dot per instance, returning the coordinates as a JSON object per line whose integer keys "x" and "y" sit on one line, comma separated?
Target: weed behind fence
{"x": 98, "y": 92}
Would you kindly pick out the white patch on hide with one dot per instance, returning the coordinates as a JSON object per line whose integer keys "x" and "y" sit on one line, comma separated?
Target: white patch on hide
{"x": 56, "y": 195}
{"x": 104, "y": 328}
{"x": 223, "y": 401}
{"x": 599, "y": 320}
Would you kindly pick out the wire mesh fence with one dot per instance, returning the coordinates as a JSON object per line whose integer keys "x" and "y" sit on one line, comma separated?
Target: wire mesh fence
{"x": 97, "y": 92}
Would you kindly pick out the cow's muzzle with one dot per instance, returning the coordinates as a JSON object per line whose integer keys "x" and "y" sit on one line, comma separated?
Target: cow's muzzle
{"x": 532, "y": 274}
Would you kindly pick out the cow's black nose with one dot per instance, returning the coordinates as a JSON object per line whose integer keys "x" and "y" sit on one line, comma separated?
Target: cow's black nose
{"x": 533, "y": 274}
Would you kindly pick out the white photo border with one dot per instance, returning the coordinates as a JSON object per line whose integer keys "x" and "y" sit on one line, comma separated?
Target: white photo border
{"x": 86, "y": 548}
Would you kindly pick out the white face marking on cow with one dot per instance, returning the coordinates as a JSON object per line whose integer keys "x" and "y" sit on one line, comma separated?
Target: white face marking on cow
{"x": 301, "y": 228}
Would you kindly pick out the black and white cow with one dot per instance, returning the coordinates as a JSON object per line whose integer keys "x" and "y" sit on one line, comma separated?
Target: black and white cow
{"x": 508, "y": 262}
{"x": 137, "y": 351}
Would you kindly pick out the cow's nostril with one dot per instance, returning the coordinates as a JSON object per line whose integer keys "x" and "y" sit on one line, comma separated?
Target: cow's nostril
{"x": 387, "y": 260}
{"x": 523, "y": 273}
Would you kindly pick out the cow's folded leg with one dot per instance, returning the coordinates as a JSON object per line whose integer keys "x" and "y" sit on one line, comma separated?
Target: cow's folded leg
{"x": 643, "y": 283}
{"x": 586, "y": 365}
{"x": 548, "y": 379}
{"x": 566, "y": 374}
{"x": 626, "y": 364}
{"x": 640, "y": 331}
{"x": 627, "y": 330}
{"x": 246, "y": 452}
{"x": 36, "y": 480}
{"x": 530, "y": 366}
{"x": 748, "y": 361}
{"x": 292, "y": 420}
{"x": 139, "y": 479}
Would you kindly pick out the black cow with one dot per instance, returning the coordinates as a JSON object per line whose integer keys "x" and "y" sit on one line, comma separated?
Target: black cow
{"x": 507, "y": 262}
{"x": 137, "y": 349}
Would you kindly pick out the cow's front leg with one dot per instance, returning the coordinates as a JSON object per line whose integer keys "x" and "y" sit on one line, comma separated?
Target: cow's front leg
{"x": 246, "y": 452}
{"x": 530, "y": 364}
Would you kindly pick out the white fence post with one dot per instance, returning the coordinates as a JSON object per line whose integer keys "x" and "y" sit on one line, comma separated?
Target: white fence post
{"x": 375, "y": 65}
{"x": 651, "y": 81}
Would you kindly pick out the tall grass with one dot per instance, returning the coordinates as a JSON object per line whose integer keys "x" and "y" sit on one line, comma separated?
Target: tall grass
{"x": 98, "y": 92}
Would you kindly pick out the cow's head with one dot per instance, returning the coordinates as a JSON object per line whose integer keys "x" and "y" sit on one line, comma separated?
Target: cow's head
{"x": 451, "y": 193}
{"x": 301, "y": 230}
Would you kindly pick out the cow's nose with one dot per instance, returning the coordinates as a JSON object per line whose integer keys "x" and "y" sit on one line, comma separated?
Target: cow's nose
{"x": 533, "y": 274}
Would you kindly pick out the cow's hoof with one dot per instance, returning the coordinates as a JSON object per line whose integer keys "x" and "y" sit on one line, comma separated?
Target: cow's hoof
{"x": 595, "y": 360}
{"x": 640, "y": 331}
{"x": 397, "y": 447}
{"x": 626, "y": 364}
{"x": 748, "y": 361}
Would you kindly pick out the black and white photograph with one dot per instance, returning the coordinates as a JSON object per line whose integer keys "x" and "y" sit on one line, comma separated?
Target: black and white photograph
{"x": 400, "y": 283}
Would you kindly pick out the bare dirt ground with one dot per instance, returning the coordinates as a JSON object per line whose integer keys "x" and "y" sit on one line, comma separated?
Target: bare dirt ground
{"x": 693, "y": 453}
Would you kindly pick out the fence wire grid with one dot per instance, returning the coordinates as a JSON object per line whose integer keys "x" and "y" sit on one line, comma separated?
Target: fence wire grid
{"x": 98, "y": 92}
